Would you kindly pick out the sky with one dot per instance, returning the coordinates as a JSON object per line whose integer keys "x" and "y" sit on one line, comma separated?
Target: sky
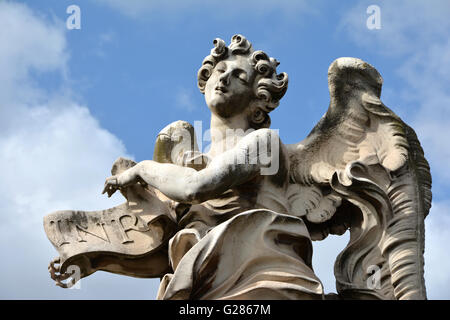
{"x": 73, "y": 100}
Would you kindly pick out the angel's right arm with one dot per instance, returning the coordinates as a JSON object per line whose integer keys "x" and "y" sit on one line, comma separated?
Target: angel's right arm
{"x": 186, "y": 185}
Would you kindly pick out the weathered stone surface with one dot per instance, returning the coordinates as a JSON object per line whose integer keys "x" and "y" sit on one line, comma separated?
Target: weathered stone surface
{"x": 127, "y": 239}
{"x": 237, "y": 222}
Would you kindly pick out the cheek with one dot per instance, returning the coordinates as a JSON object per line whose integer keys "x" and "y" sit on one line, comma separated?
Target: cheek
{"x": 243, "y": 93}
{"x": 209, "y": 89}
{"x": 209, "y": 83}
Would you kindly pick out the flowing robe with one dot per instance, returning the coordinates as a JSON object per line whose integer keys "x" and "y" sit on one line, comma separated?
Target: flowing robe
{"x": 221, "y": 249}
{"x": 256, "y": 254}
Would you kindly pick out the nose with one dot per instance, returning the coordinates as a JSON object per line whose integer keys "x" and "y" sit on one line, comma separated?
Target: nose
{"x": 225, "y": 78}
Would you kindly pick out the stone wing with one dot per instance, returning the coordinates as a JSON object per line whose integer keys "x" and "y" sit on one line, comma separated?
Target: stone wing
{"x": 363, "y": 169}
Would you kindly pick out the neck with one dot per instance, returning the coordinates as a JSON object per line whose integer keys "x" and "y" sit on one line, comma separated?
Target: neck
{"x": 226, "y": 132}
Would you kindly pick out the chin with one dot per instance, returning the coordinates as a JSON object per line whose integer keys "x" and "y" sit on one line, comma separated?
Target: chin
{"x": 220, "y": 111}
{"x": 219, "y": 106}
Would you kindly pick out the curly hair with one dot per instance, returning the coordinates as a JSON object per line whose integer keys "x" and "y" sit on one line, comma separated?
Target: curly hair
{"x": 270, "y": 88}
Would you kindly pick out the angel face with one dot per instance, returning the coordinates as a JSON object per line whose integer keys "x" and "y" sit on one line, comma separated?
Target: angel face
{"x": 230, "y": 88}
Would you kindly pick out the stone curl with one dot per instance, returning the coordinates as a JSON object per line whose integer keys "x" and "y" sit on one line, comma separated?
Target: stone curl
{"x": 270, "y": 87}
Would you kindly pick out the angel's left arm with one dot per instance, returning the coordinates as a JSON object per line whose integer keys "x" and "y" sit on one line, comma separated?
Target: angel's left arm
{"x": 186, "y": 185}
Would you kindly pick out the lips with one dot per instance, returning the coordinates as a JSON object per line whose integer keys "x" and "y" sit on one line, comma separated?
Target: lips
{"x": 221, "y": 89}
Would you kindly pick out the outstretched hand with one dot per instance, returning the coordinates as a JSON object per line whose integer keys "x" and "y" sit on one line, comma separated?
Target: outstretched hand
{"x": 111, "y": 185}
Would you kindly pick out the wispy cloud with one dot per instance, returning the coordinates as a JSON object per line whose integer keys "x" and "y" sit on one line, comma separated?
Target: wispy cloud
{"x": 105, "y": 39}
{"x": 406, "y": 25}
{"x": 437, "y": 264}
{"x": 419, "y": 34}
{"x": 54, "y": 154}
{"x": 185, "y": 99}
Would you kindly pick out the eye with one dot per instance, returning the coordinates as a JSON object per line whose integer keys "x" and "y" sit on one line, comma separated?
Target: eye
{"x": 242, "y": 76}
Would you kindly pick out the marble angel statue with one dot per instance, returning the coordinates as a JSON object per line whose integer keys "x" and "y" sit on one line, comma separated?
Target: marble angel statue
{"x": 238, "y": 222}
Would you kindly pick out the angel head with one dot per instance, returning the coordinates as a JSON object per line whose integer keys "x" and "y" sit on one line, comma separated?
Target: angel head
{"x": 238, "y": 80}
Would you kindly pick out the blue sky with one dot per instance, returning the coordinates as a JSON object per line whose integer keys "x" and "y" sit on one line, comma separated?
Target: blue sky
{"x": 72, "y": 101}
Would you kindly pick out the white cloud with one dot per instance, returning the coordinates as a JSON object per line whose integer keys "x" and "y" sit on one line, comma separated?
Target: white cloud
{"x": 22, "y": 52}
{"x": 54, "y": 155}
{"x": 406, "y": 25}
{"x": 417, "y": 34}
{"x": 437, "y": 263}
{"x": 185, "y": 99}
{"x": 105, "y": 40}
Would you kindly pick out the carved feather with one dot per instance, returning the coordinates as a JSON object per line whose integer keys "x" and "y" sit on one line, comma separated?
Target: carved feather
{"x": 372, "y": 161}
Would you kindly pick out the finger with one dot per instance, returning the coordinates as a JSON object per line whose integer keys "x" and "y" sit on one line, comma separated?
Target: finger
{"x": 64, "y": 276}
{"x": 110, "y": 182}
{"x": 52, "y": 274}
{"x": 56, "y": 260}
{"x": 61, "y": 284}
{"x": 108, "y": 188}
{"x": 111, "y": 191}
{"x": 52, "y": 263}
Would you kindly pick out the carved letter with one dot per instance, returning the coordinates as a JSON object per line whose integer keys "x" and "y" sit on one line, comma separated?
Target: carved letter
{"x": 123, "y": 230}
{"x": 60, "y": 236}
{"x": 85, "y": 229}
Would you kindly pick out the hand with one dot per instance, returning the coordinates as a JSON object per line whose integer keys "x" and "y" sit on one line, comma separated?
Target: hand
{"x": 56, "y": 275}
{"x": 121, "y": 180}
{"x": 111, "y": 185}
